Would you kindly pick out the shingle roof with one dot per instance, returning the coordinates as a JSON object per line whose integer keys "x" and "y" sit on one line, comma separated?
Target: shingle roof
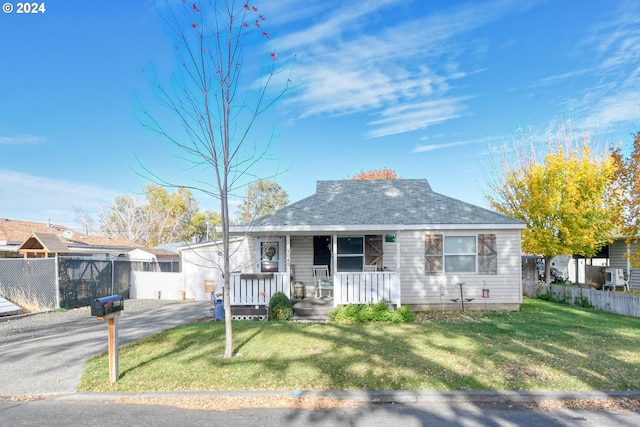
{"x": 15, "y": 232}
{"x": 45, "y": 242}
{"x": 380, "y": 202}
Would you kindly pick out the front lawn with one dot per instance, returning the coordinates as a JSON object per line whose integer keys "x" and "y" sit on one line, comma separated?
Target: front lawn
{"x": 545, "y": 346}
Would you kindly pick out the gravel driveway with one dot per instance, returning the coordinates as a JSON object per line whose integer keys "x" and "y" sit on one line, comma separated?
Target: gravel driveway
{"x": 19, "y": 328}
{"x": 45, "y": 353}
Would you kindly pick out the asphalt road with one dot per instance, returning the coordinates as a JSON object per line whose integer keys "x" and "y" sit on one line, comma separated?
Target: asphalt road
{"x": 73, "y": 410}
{"x": 53, "y": 363}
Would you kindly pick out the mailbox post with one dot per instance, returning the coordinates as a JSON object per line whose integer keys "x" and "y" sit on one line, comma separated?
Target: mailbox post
{"x": 109, "y": 308}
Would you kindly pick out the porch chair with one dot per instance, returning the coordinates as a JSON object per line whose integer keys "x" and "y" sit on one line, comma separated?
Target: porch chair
{"x": 322, "y": 281}
{"x": 370, "y": 268}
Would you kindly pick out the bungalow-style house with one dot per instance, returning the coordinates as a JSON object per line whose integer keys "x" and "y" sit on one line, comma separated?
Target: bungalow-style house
{"x": 392, "y": 240}
{"x": 42, "y": 239}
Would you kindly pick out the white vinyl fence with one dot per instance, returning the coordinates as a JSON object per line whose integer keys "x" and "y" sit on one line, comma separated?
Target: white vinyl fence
{"x": 157, "y": 285}
{"x": 611, "y": 302}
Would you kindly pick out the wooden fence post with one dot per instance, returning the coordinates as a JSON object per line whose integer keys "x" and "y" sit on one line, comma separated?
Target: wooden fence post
{"x": 112, "y": 326}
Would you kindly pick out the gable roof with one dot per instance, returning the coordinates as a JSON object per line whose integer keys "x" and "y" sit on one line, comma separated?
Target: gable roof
{"x": 157, "y": 253}
{"x": 44, "y": 243}
{"x": 13, "y": 233}
{"x": 378, "y": 204}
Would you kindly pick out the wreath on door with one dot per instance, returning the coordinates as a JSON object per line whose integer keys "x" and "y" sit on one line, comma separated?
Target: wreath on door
{"x": 270, "y": 252}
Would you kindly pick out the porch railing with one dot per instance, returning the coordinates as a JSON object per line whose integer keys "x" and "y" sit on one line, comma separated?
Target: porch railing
{"x": 365, "y": 288}
{"x": 257, "y": 289}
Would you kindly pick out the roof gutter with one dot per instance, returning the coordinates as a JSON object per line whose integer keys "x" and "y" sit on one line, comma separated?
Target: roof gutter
{"x": 235, "y": 230}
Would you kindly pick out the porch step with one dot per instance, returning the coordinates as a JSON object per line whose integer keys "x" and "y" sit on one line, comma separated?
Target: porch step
{"x": 312, "y": 309}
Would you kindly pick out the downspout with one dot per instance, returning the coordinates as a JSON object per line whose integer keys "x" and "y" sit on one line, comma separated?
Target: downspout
{"x": 398, "y": 268}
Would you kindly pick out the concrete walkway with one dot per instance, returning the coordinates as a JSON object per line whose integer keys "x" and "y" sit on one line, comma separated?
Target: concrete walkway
{"x": 54, "y": 364}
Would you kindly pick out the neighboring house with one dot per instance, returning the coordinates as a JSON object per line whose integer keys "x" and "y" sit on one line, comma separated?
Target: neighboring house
{"x": 154, "y": 260}
{"x": 619, "y": 252}
{"x": 422, "y": 245}
{"x": 15, "y": 234}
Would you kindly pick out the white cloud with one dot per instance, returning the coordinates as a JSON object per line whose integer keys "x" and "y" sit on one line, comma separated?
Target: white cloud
{"x": 36, "y": 198}
{"x": 352, "y": 61}
{"x": 614, "y": 48}
{"x": 623, "y": 106}
{"x": 433, "y": 147}
{"x": 414, "y": 116}
{"x": 21, "y": 139}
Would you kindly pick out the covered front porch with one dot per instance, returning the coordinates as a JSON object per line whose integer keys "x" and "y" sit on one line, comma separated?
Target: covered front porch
{"x": 285, "y": 264}
{"x": 346, "y": 288}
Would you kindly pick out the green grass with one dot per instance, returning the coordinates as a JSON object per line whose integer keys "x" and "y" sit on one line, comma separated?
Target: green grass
{"x": 545, "y": 346}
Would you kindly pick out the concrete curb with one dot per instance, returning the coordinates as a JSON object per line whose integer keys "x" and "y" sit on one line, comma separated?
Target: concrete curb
{"x": 391, "y": 396}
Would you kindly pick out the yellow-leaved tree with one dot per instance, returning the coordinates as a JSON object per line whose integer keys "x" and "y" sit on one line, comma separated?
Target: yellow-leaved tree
{"x": 568, "y": 198}
{"x": 628, "y": 175}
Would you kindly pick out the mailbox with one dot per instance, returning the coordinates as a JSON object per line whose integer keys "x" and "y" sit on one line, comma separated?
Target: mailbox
{"x": 107, "y": 305}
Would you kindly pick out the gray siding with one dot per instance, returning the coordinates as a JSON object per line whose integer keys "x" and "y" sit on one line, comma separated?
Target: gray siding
{"x": 419, "y": 288}
{"x": 389, "y": 254}
{"x": 618, "y": 259}
{"x": 618, "y": 255}
{"x": 302, "y": 260}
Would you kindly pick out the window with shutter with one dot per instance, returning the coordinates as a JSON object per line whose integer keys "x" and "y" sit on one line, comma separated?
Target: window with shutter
{"x": 433, "y": 255}
{"x": 487, "y": 254}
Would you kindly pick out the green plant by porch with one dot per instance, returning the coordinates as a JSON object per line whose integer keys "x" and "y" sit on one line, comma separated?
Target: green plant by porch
{"x": 280, "y": 307}
{"x": 373, "y": 312}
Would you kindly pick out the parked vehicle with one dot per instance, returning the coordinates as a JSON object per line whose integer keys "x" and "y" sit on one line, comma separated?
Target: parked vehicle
{"x": 556, "y": 275}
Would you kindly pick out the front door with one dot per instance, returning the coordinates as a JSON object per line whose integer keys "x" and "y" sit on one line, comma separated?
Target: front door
{"x": 322, "y": 251}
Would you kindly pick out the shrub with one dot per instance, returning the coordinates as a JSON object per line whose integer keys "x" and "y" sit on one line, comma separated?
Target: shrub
{"x": 583, "y": 302}
{"x": 280, "y": 307}
{"x": 378, "y": 312}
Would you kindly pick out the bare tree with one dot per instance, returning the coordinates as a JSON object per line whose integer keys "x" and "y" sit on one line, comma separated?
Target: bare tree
{"x": 85, "y": 219}
{"x": 124, "y": 219}
{"x": 215, "y": 100}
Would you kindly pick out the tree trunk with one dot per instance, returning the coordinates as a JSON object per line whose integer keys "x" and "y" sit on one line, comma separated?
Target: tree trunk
{"x": 547, "y": 270}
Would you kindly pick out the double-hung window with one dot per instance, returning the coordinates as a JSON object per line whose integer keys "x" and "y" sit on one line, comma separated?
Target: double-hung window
{"x": 350, "y": 254}
{"x": 460, "y": 254}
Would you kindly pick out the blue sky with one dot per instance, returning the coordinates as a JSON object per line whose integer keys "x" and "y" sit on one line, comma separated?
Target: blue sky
{"x": 426, "y": 88}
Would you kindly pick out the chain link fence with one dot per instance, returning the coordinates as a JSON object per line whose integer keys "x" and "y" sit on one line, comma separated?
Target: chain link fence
{"x": 32, "y": 283}
{"x": 82, "y": 280}
{"x": 29, "y": 283}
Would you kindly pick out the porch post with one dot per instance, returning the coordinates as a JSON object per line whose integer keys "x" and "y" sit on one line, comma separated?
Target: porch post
{"x": 337, "y": 289}
{"x": 287, "y": 262}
